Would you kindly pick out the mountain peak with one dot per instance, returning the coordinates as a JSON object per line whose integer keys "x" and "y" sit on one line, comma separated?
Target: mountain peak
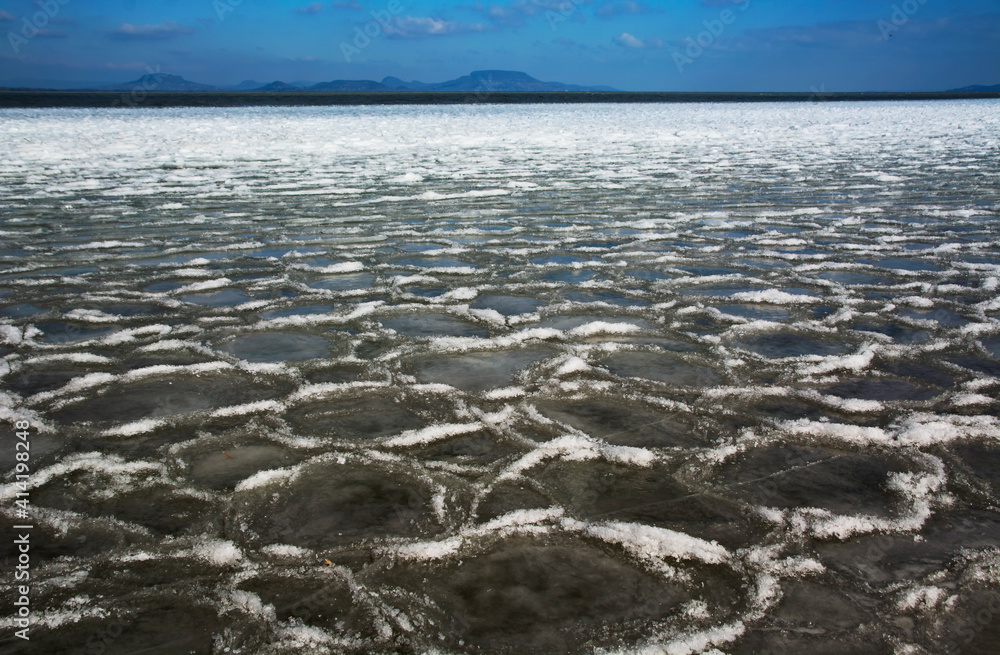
{"x": 161, "y": 82}
{"x": 978, "y": 88}
{"x": 478, "y": 82}
{"x": 513, "y": 75}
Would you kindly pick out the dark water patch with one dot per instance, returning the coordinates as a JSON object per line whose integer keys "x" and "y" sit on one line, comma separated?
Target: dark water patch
{"x": 227, "y": 298}
{"x": 273, "y": 252}
{"x": 560, "y": 260}
{"x": 76, "y": 270}
{"x": 796, "y": 477}
{"x": 432, "y": 262}
{"x": 335, "y": 374}
{"x": 600, "y": 490}
{"x": 927, "y": 373}
{"x": 318, "y": 262}
{"x": 475, "y": 449}
{"x": 767, "y": 264}
{"x": 992, "y": 345}
{"x": 719, "y": 290}
{"x": 432, "y": 325}
{"x": 791, "y": 344}
{"x": 608, "y": 297}
{"x": 705, "y": 271}
{"x": 712, "y": 517}
{"x": 942, "y": 316}
{"x": 898, "y": 333}
{"x": 974, "y": 626}
{"x": 885, "y": 296}
{"x": 22, "y": 310}
{"x": 419, "y": 247}
{"x": 810, "y": 603}
{"x": 622, "y": 424}
{"x": 164, "y": 287}
{"x": 344, "y": 282}
{"x": 648, "y": 275}
{"x": 163, "y": 357}
{"x": 128, "y": 310}
{"x": 510, "y": 496}
{"x": 59, "y": 332}
{"x": 984, "y": 461}
{"x": 372, "y": 348}
{"x": 37, "y": 378}
{"x": 271, "y": 347}
{"x": 756, "y": 312}
{"x": 885, "y": 558}
{"x": 225, "y": 467}
{"x": 306, "y": 310}
{"x": 165, "y": 627}
{"x": 157, "y": 508}
{"x": 783, "y": 409}
{"x": 729, "y": 234}
{"x": 880, "y": 390}
{"x": 814, "y": 618}
{"x": 324, "y": 602}
{"x": 563, "y": 596}
{"x": 908, "y": 264}
{"x": 163, "y": 398}
{"x": 478, "y": 371}
{"x": 508, "y": 305}
{"x": 83, "y": 539}
{"x": 852, "y": 278}
{"x": 331, "y": 505}
{"x": 427, "y": 292}
{"x": 355, "y": 418}
{"x": 820, "y": 312}
{"x": 661, "y": 368}
{"x": 978, "y": 365}
{"x": 568, "y": 276}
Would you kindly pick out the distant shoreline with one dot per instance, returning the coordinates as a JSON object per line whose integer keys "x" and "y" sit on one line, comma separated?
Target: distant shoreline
{"x": 27, "y": 98}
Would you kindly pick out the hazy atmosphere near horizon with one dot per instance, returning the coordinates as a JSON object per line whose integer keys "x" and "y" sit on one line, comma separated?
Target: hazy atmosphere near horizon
{"x": 683, "y": 45}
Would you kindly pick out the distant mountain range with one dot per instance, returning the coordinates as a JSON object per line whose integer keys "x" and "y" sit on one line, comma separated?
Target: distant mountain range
{"x": 475, "y": 82}
{"x": 978, "y": 88}
{"x": 478, "y": 82}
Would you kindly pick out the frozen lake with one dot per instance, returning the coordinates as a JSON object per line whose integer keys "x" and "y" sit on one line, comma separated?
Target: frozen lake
{"x": 505, "y": 379}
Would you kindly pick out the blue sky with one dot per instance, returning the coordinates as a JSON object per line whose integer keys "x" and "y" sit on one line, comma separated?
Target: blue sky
{"x": 682, "y": 45}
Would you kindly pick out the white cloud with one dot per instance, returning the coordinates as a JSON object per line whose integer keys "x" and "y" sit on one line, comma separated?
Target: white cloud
{"x": 313, "y": 8}
{"x": 609, "y": 9}
{"x": 626, "y": 40}
{"x": 415, "y": 27}
{"x": 165, "y": 30}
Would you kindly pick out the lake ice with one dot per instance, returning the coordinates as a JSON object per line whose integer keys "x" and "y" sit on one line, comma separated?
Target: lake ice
{"x": 488, "y": 379}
